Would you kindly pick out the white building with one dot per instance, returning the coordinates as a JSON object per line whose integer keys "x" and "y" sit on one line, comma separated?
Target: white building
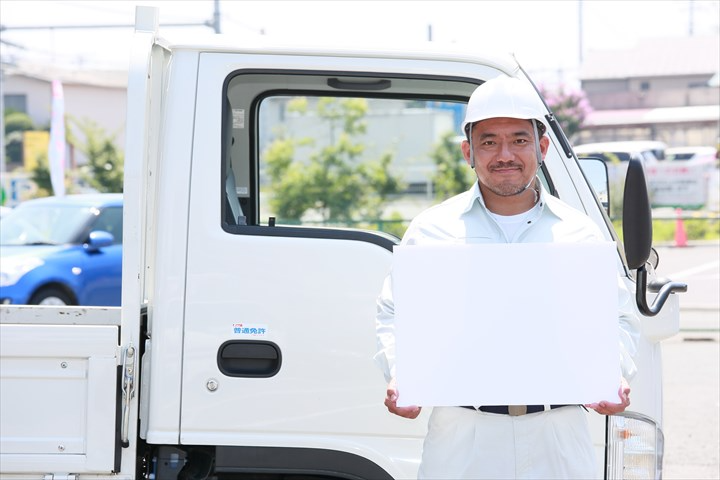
{"x": 664, "y": 89}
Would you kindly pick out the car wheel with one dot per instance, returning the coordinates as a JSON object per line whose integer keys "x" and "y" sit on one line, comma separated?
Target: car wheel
{"x": 51, "y": 296}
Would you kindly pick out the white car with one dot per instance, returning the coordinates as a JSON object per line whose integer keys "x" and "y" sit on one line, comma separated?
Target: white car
{"x": 647, "y": 152}
{"x": 616, "y": 155}
{"x": 693, "y": 155}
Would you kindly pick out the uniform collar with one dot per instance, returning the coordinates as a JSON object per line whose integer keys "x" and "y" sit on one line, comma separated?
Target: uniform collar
{"x": 476, "y": 198}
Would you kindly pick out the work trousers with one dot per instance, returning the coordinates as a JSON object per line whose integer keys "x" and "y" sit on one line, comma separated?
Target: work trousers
{"x": 467, "y": 444}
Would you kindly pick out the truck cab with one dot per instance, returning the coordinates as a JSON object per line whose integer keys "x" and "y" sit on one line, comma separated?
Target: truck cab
{"x": 245, "y": 340}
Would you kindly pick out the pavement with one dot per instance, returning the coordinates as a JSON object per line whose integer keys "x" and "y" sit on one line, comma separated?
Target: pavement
{"x": 691, "y": 364}
{"x": 691, "y": 379}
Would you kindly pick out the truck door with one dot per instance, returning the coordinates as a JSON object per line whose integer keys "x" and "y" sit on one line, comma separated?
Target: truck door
{"x": 279, "y": 332}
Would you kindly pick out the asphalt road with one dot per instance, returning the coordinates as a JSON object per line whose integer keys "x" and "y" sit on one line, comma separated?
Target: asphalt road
{"x": 692, "y": 364}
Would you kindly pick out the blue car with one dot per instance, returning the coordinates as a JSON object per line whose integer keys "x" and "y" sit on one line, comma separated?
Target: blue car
{"x": 62, "y": 251}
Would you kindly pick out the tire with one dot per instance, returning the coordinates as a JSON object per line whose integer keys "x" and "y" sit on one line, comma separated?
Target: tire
{"x": 51, "y": 296}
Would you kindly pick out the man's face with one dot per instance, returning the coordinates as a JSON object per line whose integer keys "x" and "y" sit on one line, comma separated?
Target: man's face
{"x": 505, "y": 159}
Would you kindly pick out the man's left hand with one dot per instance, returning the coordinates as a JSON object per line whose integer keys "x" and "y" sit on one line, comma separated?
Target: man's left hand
{"x": 609, "y": 408}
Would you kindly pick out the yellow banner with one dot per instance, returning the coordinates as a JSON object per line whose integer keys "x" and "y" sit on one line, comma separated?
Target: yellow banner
{"x": 35, "y": 144}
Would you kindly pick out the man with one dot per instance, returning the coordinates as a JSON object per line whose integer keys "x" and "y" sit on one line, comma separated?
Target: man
{"x": 505, "y": 144}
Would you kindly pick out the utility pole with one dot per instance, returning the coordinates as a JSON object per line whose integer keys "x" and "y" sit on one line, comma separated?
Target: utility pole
{"x": 216, "y": 17}
{"x": 580, "y": 32}
{"x": 691, "y": 17}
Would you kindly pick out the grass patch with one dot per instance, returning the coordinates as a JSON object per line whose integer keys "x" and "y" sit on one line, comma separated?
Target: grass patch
{"x": 695, "y": 229}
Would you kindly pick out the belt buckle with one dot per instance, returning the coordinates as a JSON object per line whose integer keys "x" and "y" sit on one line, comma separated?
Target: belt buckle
{"x": 517, "y": 410}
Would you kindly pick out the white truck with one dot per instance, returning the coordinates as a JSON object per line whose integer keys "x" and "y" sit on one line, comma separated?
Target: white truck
{"x": 244, "y": 346}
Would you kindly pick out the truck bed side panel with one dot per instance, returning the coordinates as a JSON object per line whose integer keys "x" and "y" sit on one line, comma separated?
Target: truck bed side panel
{"x": 57, "y": 397}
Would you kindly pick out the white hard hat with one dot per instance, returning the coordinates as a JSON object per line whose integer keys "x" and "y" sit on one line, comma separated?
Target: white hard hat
{"x": 505, "y": 97}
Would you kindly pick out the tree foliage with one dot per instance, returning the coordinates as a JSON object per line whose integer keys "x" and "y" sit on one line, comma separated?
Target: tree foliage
{"x": 104, "y": 170}
{"x": 333, "y": 181}
{"x": 15, "y": 124}
{"x": 41, "y": 177}
{"x": 452, "y": 174}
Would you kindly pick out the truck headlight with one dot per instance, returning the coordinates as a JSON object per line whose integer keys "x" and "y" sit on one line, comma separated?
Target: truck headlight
{"x": 13, "y": 268}
{"x": 634, "y": 447}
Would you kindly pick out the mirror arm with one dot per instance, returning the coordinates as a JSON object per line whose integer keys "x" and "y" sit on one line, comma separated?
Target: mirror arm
{"x": 662, "y": 296}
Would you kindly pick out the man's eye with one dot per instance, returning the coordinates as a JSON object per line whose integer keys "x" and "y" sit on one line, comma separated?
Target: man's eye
{"x": 521, "y": 141}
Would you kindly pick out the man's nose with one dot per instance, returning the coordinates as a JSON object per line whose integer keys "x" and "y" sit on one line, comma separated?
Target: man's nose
{"x": 505, "y": 153}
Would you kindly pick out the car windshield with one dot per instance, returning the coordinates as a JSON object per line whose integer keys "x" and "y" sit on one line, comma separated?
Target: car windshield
{"x": 607, "y": 156}
{"x": 44, "y": 224}
{"x": 680, "y": 156}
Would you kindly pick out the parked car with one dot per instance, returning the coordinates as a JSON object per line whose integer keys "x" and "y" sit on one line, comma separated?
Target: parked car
{"x": 693, "y": 155}
{"x": 617, "y": 154}
{"x": 647, "y": 152}
{"x": 62, "y": 251}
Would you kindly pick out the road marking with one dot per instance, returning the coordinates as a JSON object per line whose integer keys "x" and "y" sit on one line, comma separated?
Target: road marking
{"x": 691, "y": 271}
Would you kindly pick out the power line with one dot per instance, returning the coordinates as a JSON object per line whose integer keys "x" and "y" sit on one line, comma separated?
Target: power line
{"x": 213, "y": 23}
{"x": 75, "y": 27}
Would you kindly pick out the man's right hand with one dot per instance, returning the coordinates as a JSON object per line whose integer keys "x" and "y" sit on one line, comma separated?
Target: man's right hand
{"x": 391, "y": 397}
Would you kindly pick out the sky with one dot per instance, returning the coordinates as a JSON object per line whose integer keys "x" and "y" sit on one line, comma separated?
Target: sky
{"x": 549, "y": 37}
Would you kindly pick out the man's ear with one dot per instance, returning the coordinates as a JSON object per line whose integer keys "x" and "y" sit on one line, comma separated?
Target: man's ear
{"x": 465, "y": 147}
{"x": 544, "y": 145}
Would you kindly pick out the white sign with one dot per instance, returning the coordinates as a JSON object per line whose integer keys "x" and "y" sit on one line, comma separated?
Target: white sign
{"x": 678, "y": 184}
{"x": 507, "y": 324}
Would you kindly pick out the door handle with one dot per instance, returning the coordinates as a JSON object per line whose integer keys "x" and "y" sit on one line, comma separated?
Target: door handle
{"x": 249, "y": 358}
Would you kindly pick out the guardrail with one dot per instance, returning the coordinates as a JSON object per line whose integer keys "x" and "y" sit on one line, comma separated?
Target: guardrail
{"x": 669, "y": 225}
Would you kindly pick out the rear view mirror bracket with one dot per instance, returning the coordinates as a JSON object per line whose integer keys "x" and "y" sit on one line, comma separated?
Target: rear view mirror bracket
{"x": 660, "y": 299}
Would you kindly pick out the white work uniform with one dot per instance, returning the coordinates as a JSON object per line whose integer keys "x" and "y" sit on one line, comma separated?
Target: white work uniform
{"x": 463, "y": 443}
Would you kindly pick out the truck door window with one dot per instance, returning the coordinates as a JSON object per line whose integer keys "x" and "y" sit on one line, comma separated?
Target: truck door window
{"x": 349, "y": 161}
{"x": 323, "y": 151}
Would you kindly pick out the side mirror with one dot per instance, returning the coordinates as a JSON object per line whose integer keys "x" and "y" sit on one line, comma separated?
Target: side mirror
{"x": 637, "y": 216}
{"x": 596, "y": 173}
{"x": 98, "y": 239}
{"x": 637, "y": 232}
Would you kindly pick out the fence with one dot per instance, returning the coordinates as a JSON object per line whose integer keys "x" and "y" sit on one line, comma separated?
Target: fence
{"x": 668, "y": 225}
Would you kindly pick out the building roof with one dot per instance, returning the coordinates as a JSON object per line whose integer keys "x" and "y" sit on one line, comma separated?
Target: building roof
{"x": 651, "y": 116}
{"x": 98, "y": 78}
{"x": 656, "y": 57}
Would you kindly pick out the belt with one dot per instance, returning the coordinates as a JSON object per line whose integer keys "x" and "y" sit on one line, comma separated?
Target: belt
{"x": 505, "y": 410}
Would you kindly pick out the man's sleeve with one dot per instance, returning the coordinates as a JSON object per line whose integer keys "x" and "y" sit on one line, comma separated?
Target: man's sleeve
{"x": 385, "y": 329}
{"x": 385, "y": 316}
{"x": 629, "y": 331}
{"x": 628, "y": 321}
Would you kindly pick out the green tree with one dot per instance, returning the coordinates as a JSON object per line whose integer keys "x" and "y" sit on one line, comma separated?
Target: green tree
{"x": 381, "y": 185}
{"x": 104, "y": 170}
{"x": 41, "y": 177}
{"x": 452, "y": 173}
{"x": 17, "y": 121}
{"x": 333, "y": 181}
{"x": 15, "y": 124}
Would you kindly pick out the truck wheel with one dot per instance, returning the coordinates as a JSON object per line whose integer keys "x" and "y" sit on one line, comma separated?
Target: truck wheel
{"x": 51, "y": 296}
